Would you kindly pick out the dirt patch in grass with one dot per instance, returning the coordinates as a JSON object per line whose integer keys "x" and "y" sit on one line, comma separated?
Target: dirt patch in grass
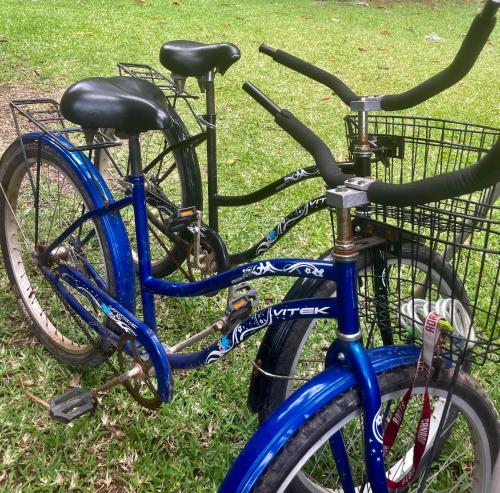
{"x": 9, "y": 92}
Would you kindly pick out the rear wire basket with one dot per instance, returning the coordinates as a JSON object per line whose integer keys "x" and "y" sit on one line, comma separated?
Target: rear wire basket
{"x": 444, "y": 250}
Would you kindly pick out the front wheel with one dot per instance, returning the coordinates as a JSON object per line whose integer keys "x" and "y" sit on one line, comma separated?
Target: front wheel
{"x": 464, "y": 464}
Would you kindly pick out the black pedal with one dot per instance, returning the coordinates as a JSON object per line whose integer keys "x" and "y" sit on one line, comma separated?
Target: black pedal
{"x": 71, "y": 405}
{"x": 181, "y": 218}
{"x": 241, "y": 305}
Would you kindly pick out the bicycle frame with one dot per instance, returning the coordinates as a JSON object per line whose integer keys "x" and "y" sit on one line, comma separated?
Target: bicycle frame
{"x": 346, "y": 349}
{"x": 208, "y": 132}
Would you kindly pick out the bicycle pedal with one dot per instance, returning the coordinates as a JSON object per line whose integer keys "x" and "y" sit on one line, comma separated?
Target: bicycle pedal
{"x": 181, "y": 218}
{"x": 71, "y": 405}
{"x": 242, "y": 305}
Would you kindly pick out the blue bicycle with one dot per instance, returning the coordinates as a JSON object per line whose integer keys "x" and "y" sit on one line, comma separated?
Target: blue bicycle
{"x": 70, "y": 262}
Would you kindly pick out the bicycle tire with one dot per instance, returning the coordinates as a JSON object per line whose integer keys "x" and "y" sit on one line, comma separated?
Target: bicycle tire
{"x": 469, "y": 402}
{"x": 289, "y": 339}
{"x": 32, "y": 290}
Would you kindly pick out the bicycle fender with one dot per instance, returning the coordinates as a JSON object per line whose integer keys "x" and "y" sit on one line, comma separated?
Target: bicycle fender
{"x": 273, "y": 434}
{"x": 113, "y": 227}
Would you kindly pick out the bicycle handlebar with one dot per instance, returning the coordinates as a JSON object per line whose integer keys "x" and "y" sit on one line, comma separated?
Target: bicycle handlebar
{"x": 464, "y": 60}
{"x": 485, "y": 173}
{"x": 322, "y": 155}
{"x": 341, "y": 89}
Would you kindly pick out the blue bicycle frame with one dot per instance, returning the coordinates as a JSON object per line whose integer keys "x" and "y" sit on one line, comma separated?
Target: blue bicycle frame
{"x": 347, "y": 361}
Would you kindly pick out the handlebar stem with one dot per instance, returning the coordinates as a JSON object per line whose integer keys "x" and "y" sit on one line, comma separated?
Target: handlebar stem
{"x": 353, "y": 193}
{"x": 368, "y": 103}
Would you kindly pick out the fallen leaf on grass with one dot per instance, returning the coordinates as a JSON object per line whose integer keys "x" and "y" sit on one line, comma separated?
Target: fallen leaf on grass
{"x": 434, "y": 37}
{"x": 325, "y": 98}
{"x": 115, "y": 431}
{"x": 385, "y": 32}
{"x": 75, "y": 381}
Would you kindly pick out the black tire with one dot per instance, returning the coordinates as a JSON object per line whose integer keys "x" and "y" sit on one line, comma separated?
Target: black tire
{"x": 290, "y": 338}
{"x": 181, "y": 189}
{"x": 463, "y": 472}
{"x": 49, "y": 320}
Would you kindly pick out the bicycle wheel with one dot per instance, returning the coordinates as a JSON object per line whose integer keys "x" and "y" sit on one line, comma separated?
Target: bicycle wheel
{"x": 300, "y": 346}
{"x": 173, "y": 181}
{"x": 464, "y": 464}
{"x": 63, "y": 198}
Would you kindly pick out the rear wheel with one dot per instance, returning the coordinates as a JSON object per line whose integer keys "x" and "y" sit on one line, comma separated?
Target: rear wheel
{"x": 26, "y": 231}
{"x": 172, "y": 181}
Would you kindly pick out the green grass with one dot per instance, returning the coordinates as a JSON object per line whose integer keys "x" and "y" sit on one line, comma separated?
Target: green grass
{"x": 45, "y": 45}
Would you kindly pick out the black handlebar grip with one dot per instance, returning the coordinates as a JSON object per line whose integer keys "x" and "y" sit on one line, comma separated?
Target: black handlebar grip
{"x": 319, "y": 75}
{"x": 484, "y": 174}
{"x": 464, "y": 60}
{"x": 267, "y": 50}
{"x": 261, "y": 98}
{"x": 322, "y": 155}
{"x": 490, "y": 8}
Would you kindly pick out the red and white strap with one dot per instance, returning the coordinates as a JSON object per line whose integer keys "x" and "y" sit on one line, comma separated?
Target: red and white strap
{"x": 424, "y": 368}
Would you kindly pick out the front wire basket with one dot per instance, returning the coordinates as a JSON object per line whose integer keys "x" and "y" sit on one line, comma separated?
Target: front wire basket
{"x": 449, "y": 250}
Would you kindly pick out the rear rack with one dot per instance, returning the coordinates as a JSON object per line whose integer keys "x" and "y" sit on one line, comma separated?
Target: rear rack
{"x": 145, "y": 72}
{"x": 173, "y": 95}
{"x": 45, "y": 115}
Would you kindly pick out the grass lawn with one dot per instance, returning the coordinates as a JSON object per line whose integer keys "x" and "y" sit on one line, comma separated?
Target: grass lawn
{"x": 47, "y": 44}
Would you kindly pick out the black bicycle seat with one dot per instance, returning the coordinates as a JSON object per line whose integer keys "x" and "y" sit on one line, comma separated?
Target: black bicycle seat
{"x": 127, "y": 104}
{"x": 193, "y": 59}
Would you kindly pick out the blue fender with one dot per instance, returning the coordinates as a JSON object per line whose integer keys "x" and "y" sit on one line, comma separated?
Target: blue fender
{"x": 113, "y": 227}
{"x": 121, "y": 254}
{"x": 272, "y": 435}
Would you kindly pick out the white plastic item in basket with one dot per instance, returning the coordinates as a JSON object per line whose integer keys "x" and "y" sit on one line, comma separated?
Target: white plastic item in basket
{"x": 413, "y": 314}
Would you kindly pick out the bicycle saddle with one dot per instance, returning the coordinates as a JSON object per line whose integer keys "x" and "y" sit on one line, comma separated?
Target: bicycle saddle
{"x": 127, "y": 104}
{"x": 193, "y": 59}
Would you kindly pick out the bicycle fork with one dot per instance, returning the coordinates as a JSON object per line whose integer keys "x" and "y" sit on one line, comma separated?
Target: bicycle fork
{"x": 348, "y": 348}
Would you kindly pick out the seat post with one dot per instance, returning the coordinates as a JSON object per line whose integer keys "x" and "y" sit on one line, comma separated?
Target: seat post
{"x": 134, "y": 156}
{"x": 213, "y": 212}
{"x": 139, "y": 201}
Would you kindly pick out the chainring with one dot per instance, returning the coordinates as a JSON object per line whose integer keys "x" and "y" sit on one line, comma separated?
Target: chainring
{"x": 142, "y": 388}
